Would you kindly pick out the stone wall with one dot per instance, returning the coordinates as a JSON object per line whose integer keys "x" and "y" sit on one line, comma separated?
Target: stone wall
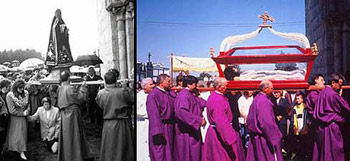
{"x": 105, "y": 37}
{"x": 116, "y": 35}
{"x": 327, "y": 24}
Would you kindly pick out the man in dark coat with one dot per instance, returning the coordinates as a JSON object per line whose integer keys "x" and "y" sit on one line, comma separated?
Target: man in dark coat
{"x": 280, "y": 108}
{"x": 95, "y": 112}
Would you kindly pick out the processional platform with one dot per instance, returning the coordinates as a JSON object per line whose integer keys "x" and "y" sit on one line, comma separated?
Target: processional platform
{"x": 228, "y": 57}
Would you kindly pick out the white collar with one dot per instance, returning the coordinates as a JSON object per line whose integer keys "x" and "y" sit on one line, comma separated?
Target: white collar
{"x": 161, "y": 89}
{"x": 218, "y": 92}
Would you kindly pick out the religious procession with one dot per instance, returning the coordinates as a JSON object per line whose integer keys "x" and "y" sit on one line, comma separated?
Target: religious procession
{"x": 50, "y": 110}
{"x": 262, "y": 104}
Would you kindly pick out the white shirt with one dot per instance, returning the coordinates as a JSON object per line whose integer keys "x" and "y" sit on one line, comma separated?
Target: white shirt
{"x": 293, "y": 97}
{"x": 278, "y": 100}
{"x": 142, "y": 127}
{"x": 141, "y": 104}
{"x": 47, "y": 113}
{"x": 243, "y": 106}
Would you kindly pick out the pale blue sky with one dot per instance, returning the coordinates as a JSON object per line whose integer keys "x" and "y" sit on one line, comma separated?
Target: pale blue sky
{"x": 191, "y": 27}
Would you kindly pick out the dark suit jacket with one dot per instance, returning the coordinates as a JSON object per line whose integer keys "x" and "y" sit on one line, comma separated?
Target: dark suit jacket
{"x": 281, "y": 109}
{"x": 93, "y": 89}
{"x": 233, "y": 100}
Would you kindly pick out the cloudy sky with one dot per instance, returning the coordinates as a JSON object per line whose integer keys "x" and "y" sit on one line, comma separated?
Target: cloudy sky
{"x": 26, "y": 24}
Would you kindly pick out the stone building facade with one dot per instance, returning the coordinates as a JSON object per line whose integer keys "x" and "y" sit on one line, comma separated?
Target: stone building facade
{"x": 116, "y": 36}
{"x": 327, "y": 24}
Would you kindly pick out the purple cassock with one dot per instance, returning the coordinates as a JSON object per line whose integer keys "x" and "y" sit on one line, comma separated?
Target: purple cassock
{"x": 221, "y": 138}
{"x": 329, "y": 112}
{"x": 311, "y": 100}
{"x": 188, "y": 139}
{"x": 160, "y": 112}
{"x": 265, "y": 137}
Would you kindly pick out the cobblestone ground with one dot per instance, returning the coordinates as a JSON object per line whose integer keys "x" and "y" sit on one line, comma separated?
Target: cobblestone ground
{"x": 36, "y": 149}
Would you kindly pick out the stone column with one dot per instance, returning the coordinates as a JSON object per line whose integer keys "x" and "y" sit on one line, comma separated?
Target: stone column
{"x": 338, "y": 54}
{"x": 130, "y": 37}
{"x": 120, "y": 13}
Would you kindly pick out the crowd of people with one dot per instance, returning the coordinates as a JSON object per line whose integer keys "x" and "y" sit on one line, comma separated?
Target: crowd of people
{"x": 58, "y": 110}
{"x": 247, "y": 125}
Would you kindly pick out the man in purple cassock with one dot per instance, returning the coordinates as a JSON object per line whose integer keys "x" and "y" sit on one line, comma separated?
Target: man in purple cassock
{"x": 311, "y": 99}
{"x": 329, "y": 113}
{"x": 188, "y": 112}
{"x": 318, "y": 81}
{"x": 221, "y": 138}
{"x": 265, "y": 137}
{"x": 160, "y": 112}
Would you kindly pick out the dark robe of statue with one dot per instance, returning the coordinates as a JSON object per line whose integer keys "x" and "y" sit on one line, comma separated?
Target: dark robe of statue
{"x": 58, "y": 49}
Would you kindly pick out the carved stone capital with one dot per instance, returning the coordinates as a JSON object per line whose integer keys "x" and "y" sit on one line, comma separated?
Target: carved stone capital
{"x": 111, "y": 4}
{"x": 130, "y": 11}
{"x": 120, "y": 13}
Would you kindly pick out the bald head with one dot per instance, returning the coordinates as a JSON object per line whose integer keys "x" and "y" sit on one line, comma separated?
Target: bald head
{"x": 220, "y": 84}
{"x": 65, "y": 75}
{"x": 266, "y": 87}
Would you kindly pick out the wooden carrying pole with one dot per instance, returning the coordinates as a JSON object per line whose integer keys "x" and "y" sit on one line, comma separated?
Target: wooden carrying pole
{"x": 312, "y": 87}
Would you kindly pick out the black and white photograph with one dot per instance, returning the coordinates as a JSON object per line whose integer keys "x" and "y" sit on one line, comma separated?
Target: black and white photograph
{"x": 67, "y": 80}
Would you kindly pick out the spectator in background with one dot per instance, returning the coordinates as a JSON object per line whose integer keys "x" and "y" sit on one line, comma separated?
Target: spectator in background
{"x": 95, "y": 112}
{"x": 53, "y": 94}
{"x": 138, "y": 87}
{"x": 244, "y": 103}
{"x": 34, "y": 102}
{"x": 5, "y": 86}
{"x": 281, "y": 106}
{"x": 300, "y": 129}
{"x": 231, "y": 73}
{"x": 17, "y": 100}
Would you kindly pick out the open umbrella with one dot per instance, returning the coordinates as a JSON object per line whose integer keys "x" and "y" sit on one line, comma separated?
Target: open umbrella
{"x": 6, "y": 63}
{"x": 31, "y": 63}
{"x": 88, "y": 60}
{"x": 3, "y": 68}
{"x": 77, "y": 69}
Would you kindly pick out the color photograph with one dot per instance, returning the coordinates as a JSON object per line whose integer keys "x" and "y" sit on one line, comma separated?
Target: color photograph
{"x": 243, "y": 80}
